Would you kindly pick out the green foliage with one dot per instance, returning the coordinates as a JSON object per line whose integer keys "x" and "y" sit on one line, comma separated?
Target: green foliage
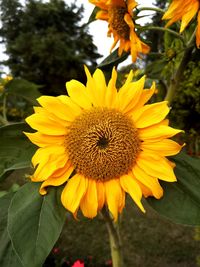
{"x": 186, "y": 103}
{"x": 34, "y": 223}
{"x": 181, "y": 200}
{"x": 93, "y": 15}
{"x": 24, "y": 89}
{"x": 30, "y": 224}
{"x": 155, "y": 38}
{"x": 16, "y": 151}
{"x": 17, "y": 98}
{"x": 8, "y": 256}
{"x": 46, "y": 43}
{"x": 112, "y": 60}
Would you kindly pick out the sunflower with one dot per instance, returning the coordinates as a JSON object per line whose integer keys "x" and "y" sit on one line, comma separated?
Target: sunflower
{"x": 102, "y": 143}
{"x": 184, "y": 10}
{"x": 118, "y": 14}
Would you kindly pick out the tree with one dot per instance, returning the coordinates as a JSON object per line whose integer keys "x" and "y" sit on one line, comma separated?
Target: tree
{"x": 46, "y": 43}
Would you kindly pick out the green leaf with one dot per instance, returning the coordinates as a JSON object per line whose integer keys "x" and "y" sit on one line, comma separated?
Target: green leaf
{"x": 16, "y": 150}
{"x": 113, "y": 59}
{"x": 24, "y": 89}
{"x": 8, "y": 257}
{"x": 181, "y": 200}
{"x": 93, "y": 15}
{"x": 35, "y": 223}
{"x": 154, "y": 69}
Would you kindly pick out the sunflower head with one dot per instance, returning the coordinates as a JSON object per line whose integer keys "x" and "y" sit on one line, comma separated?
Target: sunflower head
{"x": 118, "y": 14}
{"x": 184, "y": 11}
{"x": 102, "y": 143}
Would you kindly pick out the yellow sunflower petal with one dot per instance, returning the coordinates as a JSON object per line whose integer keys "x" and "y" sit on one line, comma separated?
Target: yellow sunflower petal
{"x": 102, "y": 4}
{"x": 62, "y": 110}
{"x": 129, "y": 96}
{"x": 165, "y": 147}
{"x": 100, "y": 194}
{"x": 111, "y": 92}
{"x": 45, "y": 152}
{"x": 132, "y": 188}
{"x": 149, "y": 181}
{"x": 150, "y": 114}
{"x": 103, "y": 15}
{"x": 156, "y": 166}
{"x": 57, "y": 181}
{"x": 91, "y": 88}
{"x": 73, "y": 192}
{"x": 114, "y": 196}
{"x": 89, "y": 203}
{"x": 131, "y": 5}
{"x": 145, "y": 96}
{"x": 100, "y": 87}
{"x": 45, "y": 125}
{"x": 43, "y": 140}
{"x": 48, "y": 160}
{"x": 157, "y": 132}
{"x": 77, "y": 93}
{"x": 187, "y": 17}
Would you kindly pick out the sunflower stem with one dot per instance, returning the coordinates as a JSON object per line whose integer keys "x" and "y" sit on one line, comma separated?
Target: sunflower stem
{"x": 156, "y": 9}
{"x": 114, "y": 237}
{"x": 162, "y": 29}
{"x": 5, "y": 120}
{"x": 178, "y": 76}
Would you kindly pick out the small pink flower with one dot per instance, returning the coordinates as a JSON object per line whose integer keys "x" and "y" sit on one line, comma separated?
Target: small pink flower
{"x": 78, "y": 264}
{"x": 56, "y": 250}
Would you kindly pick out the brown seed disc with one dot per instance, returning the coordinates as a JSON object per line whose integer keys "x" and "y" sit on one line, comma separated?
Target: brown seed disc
{"x": 102, "y": 144}
{"x": 117, "y": 22}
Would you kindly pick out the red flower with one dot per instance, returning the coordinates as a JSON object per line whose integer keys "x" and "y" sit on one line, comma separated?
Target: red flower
{"x": 78, "y": 264}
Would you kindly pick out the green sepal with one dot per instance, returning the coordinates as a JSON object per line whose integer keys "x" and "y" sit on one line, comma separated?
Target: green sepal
{"x": 93, "y": 15}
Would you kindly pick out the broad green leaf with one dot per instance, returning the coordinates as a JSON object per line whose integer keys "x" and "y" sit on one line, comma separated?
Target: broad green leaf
{"x": 181, "y": 200}
{"x": 24, "y": 89}
{"x": 112, "y": 60}
{"x": 8, "y": 257}
{"x": 16, "y": 150}
{"x": 35, "y": 223}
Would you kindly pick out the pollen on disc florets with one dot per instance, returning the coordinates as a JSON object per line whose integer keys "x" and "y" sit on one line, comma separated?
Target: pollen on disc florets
{"x": 102, "y": 144}
{"x": 117, "y": 22}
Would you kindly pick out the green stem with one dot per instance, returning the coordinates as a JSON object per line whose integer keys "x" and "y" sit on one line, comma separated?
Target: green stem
{"x": 175, "y": 81}
{"x": 2, "y": 121}
{"x": 150, "y": 9}
{"x": 156, "y": 28}
{"x": 114, "y": 237}
{"x": 5, "y": 109}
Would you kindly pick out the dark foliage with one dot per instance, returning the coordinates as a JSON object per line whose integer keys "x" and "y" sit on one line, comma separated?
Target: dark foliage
{"x": 45, "y": 42}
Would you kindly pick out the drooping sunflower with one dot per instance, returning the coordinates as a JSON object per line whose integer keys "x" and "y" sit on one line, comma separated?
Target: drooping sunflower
{"x": 184, "y": 10}
{"x": 118, "y": 14}
{"x": 101, "y": 143}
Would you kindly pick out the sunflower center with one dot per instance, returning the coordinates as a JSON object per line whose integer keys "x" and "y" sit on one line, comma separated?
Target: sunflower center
{"x": 117, "y": 22}
{"x": 102, "y": 144}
